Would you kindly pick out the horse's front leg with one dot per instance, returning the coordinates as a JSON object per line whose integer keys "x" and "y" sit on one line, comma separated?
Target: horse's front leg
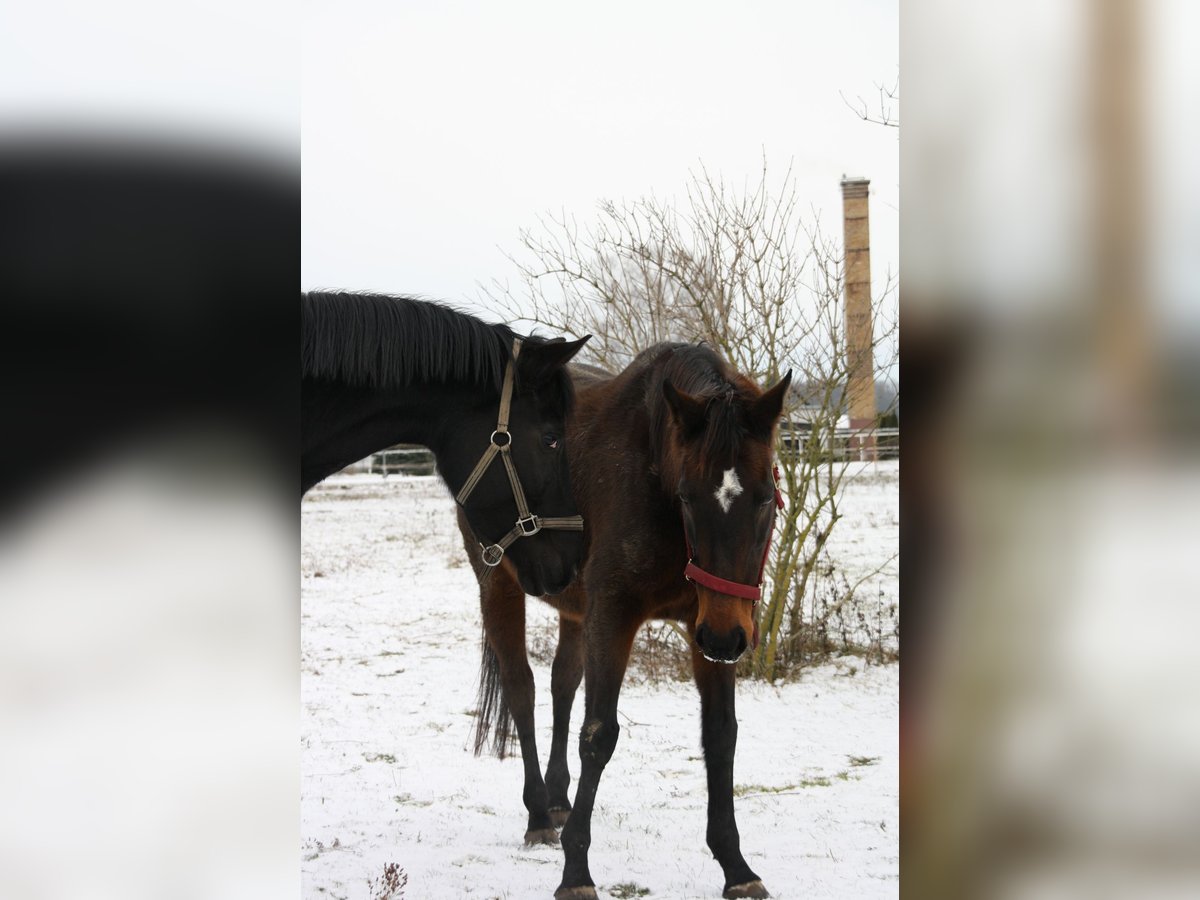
{"x": 608, "y": 637}
{"x": 718, "y": 729}
{"x": 504, "y": 625}
{"x": 564, "y": 682}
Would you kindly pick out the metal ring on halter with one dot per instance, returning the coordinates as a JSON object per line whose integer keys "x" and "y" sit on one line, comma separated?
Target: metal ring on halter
{"x": 505, "y": 433}
{"x": 532, "y": 521}
{"x": 492, "y": 560}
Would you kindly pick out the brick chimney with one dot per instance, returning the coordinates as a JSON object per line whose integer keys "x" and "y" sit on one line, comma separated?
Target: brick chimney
{"x": 860, "y": 384}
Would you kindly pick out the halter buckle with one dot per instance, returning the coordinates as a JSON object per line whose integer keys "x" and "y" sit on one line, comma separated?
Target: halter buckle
{"x": 504, "y": 434}
{"x": 529, "y": 526}
{"x": 492, "y": 555}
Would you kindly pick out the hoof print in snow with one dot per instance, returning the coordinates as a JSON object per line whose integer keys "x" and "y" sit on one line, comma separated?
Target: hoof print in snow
{"x": 575, "y": 893}
{"x": 541, "y": 836}
{"x": 749, "y": 889}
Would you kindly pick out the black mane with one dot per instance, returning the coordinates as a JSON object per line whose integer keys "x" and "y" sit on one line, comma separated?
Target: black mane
{"x": 696, "y": 369}
{"x": 385, "y": 341}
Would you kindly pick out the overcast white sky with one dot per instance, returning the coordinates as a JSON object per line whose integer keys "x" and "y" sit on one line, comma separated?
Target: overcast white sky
{"x": 433, "y": 132}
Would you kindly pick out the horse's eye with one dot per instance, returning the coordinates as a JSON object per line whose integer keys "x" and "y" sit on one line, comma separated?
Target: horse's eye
{"x": 550, "y": 440}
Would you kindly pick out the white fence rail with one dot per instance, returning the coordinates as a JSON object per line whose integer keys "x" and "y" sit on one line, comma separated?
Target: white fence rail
{"x": 847, "y": 443}
{"x": 403, "y": 459}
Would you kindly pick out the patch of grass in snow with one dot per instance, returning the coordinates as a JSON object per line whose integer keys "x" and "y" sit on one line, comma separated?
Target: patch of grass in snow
{"x": 319, "y": 847}
{"x": 627, "y": 890}
{"x": 380, "y": 757}
{"x": 743, "y": 790}
{"x": 808, "y": 781}
{"x": 863, "y": 760}
{"x": 409, "y": 800}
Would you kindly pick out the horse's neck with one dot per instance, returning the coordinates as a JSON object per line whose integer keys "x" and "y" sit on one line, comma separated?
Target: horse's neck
{"x": 611, "y": 423}
{"x": 341, "y": 424}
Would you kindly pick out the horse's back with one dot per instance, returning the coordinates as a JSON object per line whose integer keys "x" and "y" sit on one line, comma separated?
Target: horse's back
{"x": 585, "y": 375}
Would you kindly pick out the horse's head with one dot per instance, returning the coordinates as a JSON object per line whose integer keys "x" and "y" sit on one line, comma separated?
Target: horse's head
{"x": 545, "y": 559}
{"x": 720, "y": 445}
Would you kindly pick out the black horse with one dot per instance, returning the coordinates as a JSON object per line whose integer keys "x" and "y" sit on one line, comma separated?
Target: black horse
{"x": 379, "y": 370}
{"x": 673, "y": 472}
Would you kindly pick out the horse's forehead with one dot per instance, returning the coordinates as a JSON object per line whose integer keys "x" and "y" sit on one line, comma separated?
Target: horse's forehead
{"x": 750, "y": 461}
{"x": 728, "y": 489}
{"x": 550, "y": 400}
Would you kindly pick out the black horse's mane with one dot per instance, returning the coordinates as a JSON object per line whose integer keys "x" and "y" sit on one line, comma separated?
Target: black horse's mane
{"x": 385, "y": 341}
{"x": 696, "y": 369}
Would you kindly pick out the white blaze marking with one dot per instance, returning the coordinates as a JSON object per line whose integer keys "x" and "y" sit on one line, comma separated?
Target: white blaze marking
{"x": 730, "y": 488}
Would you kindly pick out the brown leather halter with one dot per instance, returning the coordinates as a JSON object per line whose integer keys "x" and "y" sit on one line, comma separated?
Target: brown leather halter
{"x": 694, "y": 573}
{"x": 528, "y": 524}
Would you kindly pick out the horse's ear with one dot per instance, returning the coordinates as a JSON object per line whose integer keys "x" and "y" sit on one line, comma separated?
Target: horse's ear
{"x": 540, "y": 360}
{"x": 687, "y": 411}
{"x": 764, "y": 412}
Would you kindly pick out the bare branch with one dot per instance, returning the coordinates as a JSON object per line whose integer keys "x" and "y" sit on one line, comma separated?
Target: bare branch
{"x": 889, "y": 99}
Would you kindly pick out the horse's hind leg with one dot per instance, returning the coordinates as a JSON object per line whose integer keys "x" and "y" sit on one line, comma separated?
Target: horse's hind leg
{"x": 564, "y": 682}
{"x": 504, "y": 624}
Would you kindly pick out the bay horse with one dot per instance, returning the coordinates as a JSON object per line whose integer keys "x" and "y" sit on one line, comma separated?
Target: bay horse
{"x": 378, "y": 370}
{"x": 672, "y": 463}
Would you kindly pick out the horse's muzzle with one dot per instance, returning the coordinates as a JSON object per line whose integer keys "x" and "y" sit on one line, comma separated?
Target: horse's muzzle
{"x": 726, "y": 648}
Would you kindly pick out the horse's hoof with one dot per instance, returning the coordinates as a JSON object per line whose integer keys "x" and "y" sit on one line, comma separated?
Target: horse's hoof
{"x": 541, "y": 836}
{"x": 749, "y": 889}
{"x": 558, "y": 817}
{"x": 575, "y": 893}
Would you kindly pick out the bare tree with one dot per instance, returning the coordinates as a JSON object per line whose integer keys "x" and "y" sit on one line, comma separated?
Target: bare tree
{"x": 747, "y": 273}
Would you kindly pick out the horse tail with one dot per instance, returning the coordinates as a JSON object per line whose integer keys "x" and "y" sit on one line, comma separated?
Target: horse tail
{"x": 492, "y": 714}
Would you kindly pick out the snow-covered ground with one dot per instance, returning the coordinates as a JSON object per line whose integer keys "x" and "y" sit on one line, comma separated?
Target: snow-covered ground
{"x": 390, "y": 653}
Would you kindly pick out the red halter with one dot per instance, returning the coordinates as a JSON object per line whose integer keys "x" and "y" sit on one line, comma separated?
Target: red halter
{"x": 694, "y": 573}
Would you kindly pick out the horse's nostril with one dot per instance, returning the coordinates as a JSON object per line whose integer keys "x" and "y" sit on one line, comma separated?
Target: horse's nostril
{"x": 742, "y": 643}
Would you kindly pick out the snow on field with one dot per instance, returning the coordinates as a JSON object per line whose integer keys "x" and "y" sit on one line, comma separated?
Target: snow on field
{"x": 390, "y": 652}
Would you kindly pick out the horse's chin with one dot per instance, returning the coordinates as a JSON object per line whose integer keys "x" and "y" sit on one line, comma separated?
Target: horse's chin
{"x": 532, "y": 587}
{"x": 539, "y": 589}
{"x": 556, "y": 588}
{"x": 727, "y": 662}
